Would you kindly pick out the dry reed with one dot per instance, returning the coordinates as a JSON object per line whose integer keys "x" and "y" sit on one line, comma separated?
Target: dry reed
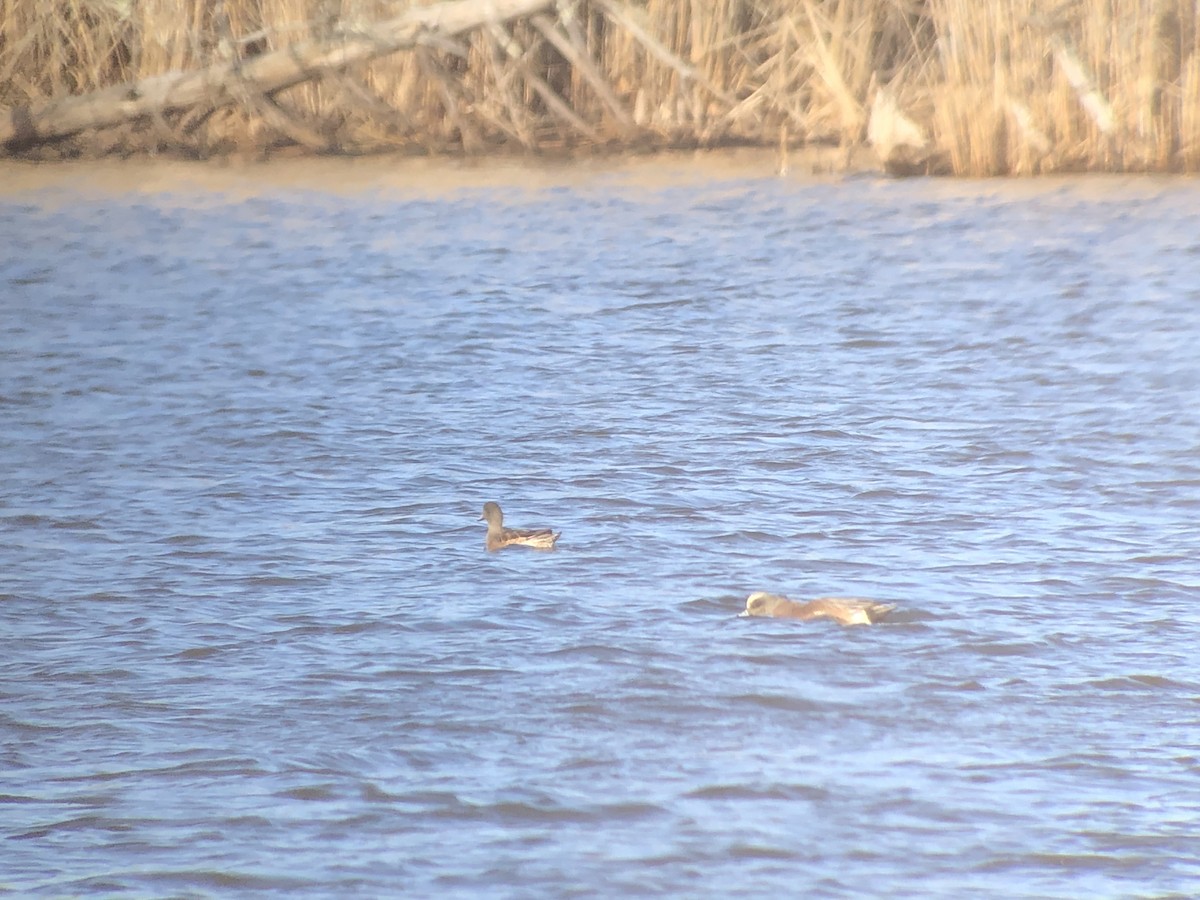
{"x": 993, "y": 88}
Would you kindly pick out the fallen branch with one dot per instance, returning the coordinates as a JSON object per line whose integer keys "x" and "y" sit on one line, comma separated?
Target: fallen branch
{"x": 225, "y": 83}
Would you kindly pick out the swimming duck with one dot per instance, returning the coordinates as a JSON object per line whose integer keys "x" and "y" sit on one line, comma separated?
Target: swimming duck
{"x": 845, "y": 610}
{"x": 499, "y": 537}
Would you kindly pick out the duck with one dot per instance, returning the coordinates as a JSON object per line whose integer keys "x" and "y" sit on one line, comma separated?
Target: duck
{"x": 843, "y": 610}
{"x": 499, "y": 537}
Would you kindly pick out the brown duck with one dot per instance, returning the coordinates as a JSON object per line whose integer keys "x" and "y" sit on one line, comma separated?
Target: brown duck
{"x": 499, "y": 537}
{"x": 844, "y": 610}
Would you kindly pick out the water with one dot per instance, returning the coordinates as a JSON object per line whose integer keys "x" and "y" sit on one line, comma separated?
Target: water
{"x": 253, "y": 644}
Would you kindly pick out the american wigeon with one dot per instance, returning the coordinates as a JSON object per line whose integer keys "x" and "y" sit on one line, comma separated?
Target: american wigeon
{"x": 499, "y": 537}
{"x": 845, "y": 610}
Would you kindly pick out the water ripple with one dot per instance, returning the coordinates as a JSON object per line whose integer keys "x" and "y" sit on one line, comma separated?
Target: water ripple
{"x": 254, "y": 642}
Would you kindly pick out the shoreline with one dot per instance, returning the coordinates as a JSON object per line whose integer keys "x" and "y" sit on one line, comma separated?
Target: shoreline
{"x": 439, "y": 176}
{"x": 432, "y": 175}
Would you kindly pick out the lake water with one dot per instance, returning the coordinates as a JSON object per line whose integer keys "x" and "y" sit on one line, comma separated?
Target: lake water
{"x": 253, "y": 643}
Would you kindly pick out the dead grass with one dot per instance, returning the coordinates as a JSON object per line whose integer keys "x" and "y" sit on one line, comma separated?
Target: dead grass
{"x": 1012, "y": 87}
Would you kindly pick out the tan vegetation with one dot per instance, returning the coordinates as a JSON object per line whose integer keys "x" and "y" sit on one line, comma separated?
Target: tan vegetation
{"x": 974, "y": 88}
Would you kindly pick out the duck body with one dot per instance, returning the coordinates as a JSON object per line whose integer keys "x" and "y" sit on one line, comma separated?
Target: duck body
{"x": 499, "y": 537}
{"x": 843, "y": 610}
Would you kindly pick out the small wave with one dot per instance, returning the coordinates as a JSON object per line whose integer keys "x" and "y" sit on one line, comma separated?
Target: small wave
{"x": 197, "y": 653}
{"x": 541, "y": 812}
{"x": 756, "y": 792}
{"x": 1139, "y": 683}
{"x": 80, "y": 524}
{"x": 1004, "y": 648}
{"x": 284, "y": 580}
{"x": 968, "y": 686}
{"x": 226, "y": 880}
{"x": 759, "y": 851}
{"x": 1061, "y": 862}
{"x": 310, "y": 792}
{"x": 785, "y": 702}
{"x": 183, "y": 540}
{"x": 25, "y": 520}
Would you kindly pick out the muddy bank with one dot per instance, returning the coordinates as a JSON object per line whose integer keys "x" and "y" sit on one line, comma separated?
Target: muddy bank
{"x": 407, "y": 175}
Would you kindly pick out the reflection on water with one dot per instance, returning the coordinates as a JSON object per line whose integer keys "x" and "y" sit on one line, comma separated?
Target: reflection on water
{"x": 255, "y": 643}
